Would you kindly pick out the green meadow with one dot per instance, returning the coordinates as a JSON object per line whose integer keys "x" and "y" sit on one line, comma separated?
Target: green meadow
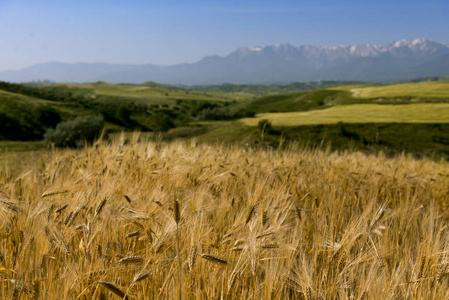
{"x": 359, "y": 113}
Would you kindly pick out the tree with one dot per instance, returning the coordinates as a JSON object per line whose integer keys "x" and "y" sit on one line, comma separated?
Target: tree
{"x": 46, "y": 116}
{"x": 72, "y": 133}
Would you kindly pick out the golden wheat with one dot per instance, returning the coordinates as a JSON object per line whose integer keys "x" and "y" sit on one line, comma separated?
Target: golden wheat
{"x": 81, "y": 224}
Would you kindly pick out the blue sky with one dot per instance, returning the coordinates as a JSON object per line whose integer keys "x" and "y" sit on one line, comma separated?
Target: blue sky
{"x": 174, "y": 31}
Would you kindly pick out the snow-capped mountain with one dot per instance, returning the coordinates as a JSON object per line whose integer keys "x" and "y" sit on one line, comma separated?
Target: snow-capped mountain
{"x": 395, "y": 60}
{"x": 418, "y": 47}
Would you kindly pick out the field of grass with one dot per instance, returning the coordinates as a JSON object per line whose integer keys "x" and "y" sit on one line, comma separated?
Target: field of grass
{"x": 348, "y": 87}
{"x": 411, "y": 93}
{"x": 197, "y": 221}
{"x": 437, "y": 89}
{"x": 17, "y": 104}
{"x": 296, "y": 101}
{"x": 149, "y": 93}
{"x": 360, "y": 113}
{"x": 417, "y": 139}
{"x": 248, "y": 91}
{"x": 7, "y": 100}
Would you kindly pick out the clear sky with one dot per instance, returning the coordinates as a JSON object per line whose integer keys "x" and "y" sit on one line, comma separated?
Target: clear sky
{"x": 174, "y": 31}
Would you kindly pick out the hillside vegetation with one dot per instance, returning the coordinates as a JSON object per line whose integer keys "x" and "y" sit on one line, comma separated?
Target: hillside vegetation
{"x": 28, "y": 111}
{"x": 192, "y": 221}
{"x": 310, "y": 112}
{"x": 242, "y": 91}
{"x": 149, "y": 93}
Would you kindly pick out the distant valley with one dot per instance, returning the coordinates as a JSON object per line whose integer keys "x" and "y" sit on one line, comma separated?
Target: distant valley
{"x": 398, "y": 60}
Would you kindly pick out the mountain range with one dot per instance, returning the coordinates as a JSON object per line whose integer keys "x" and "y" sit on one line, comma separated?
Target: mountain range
{"x": 281, "y": 63}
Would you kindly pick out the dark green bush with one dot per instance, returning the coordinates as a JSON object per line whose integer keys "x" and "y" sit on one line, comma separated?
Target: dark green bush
{"x": 162, "y": 121}
{"x": 10, "y": 128}
{"x": 46, "y": 116}
{"x": 218, "y": 113}
{"x": 199, "y": 106}
{"x": 247, "y": 113}
{"x": 265, "y": 126}
{"x": 224, "y": 113}
{"x": 23, "y": 123}
{"x": 117, "y": 112}
{"x": 72, "y": 133}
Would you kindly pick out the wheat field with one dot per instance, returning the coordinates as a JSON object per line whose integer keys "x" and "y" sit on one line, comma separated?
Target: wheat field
{"x": 182, "y": 220}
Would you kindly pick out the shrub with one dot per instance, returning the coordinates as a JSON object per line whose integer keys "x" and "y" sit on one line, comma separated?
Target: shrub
{"x": 46, "y": 116}
{"x": 247, "y": 113}
{"x": 71, "y": 133}
{"x": 10, "y": 128}
{"x": 116, "y": 112}
{"x": 224, "y": 113}
{"x": 162, "y": 121}
{"x": 217, "y": 113}
{"x": 197, "y": 107}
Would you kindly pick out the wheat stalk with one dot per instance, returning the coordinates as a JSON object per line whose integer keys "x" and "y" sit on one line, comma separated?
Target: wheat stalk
{"x": 192, "y": 257}
{"x": 250, "y": 213}
{"x": 133, "y": 234}
{"x": 48, "y": 194}
{"x": 214, "y": 259}
{"x": 127, "y": 199}
{"x": 141, "y": 276}
{"x": 111, "y": 287}
{"x": 100, "y": 206}
{"x": 131, "y": 260}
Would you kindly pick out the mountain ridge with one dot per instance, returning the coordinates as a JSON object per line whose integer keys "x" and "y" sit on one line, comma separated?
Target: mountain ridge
{"x": 281, "y": 63}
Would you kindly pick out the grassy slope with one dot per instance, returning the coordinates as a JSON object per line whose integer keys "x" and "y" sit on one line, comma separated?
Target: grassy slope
{"x": 149, "y": 93}
{"x": 13, "y": 103}
{"x": 348, "y": 87}
{"x": 8, "y": 99}
{"x": 393, "y": 138}
{"x": 371, "y": 126}
{"x": 253, "y": 224}
{"x": 419, "y": 139}
{"x": 360, "y": 113}
{"x": 425, "y": 92}
{"x": 296, "y": 101}
{"x": 438, "y": 89}
{"x": 242, "y": 92}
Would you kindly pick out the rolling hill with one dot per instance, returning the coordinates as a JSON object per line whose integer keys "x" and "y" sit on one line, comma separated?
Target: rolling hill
{"x": 394, "y": 117}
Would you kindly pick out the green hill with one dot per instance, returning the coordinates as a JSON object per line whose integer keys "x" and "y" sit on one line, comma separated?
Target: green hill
{"x": 301, "y": 101}
{"x": 409, "y": 93}
{"x": 27, "y": 111}
{"x": 209, "y": 113}
{"x": 248, "y": 91}
{"x": 146, "y": 93}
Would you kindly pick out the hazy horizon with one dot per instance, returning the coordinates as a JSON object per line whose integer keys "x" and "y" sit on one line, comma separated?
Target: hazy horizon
{"x": 139, "y": 32}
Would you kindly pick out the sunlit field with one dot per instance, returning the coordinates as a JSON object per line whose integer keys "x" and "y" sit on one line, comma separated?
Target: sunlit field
{"x": 145, "y": 220}
{"x": 360, "y": 113}
{"x": 438, "y": 89}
